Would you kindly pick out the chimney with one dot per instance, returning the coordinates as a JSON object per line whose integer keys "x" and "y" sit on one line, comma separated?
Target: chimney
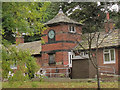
{"x": 107, "y": 16}
{"x": 19, "y": 38}
{"x": 108, "y": 23}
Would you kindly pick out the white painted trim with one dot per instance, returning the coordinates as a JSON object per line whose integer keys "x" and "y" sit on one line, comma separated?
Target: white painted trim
{"x": 109, "y": 62}
{"x": 74, "y": 29}
{"x": 70, "y": 58}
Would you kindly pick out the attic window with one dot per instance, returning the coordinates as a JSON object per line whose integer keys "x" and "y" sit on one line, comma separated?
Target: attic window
{"x": 72, "y": 29}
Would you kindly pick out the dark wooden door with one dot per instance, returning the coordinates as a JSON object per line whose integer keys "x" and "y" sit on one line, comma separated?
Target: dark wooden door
{"x": 80, "y": 69}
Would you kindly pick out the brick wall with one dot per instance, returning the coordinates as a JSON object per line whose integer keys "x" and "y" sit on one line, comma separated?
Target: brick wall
{"x": 64, "y": 41}
{"x": 118, "y": 60}
{"x": 62, "y": 33}
{"x": 101, "y": 61}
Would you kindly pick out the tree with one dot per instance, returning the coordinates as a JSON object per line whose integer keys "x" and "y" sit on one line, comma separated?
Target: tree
{"x": 21, "y": 59}
{"x": 23, "y": 17}
{"x": 83, "y": 12}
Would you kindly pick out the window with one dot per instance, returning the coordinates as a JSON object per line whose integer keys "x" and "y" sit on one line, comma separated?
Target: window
{"x": 109, "y": 56}
{"x": 72, "y": 29}
{"x": 51, "y": 58}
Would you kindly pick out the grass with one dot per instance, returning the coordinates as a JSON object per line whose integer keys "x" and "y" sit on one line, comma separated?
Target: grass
{"x": 36, "y": 84}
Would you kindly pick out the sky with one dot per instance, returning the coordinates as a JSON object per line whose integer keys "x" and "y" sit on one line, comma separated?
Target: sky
{"x": 114, "y": 7}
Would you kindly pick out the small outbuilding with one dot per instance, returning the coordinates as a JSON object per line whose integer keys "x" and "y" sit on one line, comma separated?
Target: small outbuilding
{"x": 82, "y": 68}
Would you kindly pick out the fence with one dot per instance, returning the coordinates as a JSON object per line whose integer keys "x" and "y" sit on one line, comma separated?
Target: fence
{"x": 107, "y": 69}
{"x": 55, "y": 72}
{"x": 107, "y": 74}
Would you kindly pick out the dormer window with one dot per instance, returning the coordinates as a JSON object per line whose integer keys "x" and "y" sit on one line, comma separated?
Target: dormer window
{"x": 72, "y": 29}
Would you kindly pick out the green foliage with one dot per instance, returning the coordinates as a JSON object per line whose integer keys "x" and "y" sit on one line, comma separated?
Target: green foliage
{"x": 12, "y": 56}
{"x": 89, "y": 14}
{"x": 18, "y": 76}
{"x": 34, "y": 84}
{"x": 24, "y": 17}
{"x": 5, "y": 63}
{"x": 52, "y": 10}
{"x": 62, "y": 75}
{"x": 42, "y": 78}
{"x": 32, "y": 38}
{"x": 32, "y": 66}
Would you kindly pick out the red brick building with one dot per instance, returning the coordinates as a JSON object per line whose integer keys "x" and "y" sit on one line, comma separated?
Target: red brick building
{"x": 60, "y": 42}
{"x": 108, "y": 54}
{"x": 60, "y": 38}
{"x": 108, "y": 51}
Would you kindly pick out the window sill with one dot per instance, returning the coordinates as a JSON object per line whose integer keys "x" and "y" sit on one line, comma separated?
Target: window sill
{"x": 71, "y": 32}
{"x": 52, "y": 63}
{"x": 109, "y": 63}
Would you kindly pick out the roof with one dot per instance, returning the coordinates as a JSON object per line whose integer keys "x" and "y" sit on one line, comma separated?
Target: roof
{"x": 34, "y": 47}
{"x": 61, "y": 17}
{"x": 113, "y": 39}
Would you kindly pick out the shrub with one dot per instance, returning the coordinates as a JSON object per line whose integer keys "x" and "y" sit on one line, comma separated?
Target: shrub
{"x": 19, "y": 58}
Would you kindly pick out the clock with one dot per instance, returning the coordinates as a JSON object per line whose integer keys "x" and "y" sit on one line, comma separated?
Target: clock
{"x": 51, "y": 34}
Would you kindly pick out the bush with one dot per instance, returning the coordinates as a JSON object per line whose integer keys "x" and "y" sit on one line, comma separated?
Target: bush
{"x": 19, "y": 58}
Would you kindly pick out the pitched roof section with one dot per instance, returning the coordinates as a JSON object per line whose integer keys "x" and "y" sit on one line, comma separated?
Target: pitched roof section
{"x": 33, "y": 47}
{"x": 112, "y": 40}
{"x": 61, "y": 18}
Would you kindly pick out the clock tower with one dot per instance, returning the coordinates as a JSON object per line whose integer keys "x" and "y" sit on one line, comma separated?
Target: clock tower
{"x": 60, "y": 38}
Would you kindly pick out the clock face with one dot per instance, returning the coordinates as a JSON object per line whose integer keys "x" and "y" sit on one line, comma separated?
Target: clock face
{"x": 51, "y": 34}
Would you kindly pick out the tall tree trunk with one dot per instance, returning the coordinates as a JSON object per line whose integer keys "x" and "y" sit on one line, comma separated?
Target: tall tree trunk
{"x": 98, "y": 78}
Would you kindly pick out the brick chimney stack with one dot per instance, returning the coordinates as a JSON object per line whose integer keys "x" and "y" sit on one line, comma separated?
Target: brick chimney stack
{"x": 108, "y": 23}
{"x": 19, "y": 38}
{"x": 107, "y": 16}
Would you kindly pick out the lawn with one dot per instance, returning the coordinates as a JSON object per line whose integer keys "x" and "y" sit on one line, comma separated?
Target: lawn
{"x": 36, "y": 84}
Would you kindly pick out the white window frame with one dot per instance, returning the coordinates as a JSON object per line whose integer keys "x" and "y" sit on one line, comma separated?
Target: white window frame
{"x": 69, "y": 28}
{"x": 70, "y": 58}
{"x": 109, "y": 62}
